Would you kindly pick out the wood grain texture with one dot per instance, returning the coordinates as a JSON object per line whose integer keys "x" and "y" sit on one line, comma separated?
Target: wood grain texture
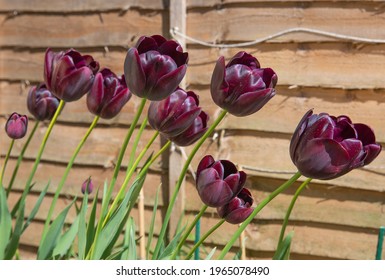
{"x": 49, "y": 6}
{"x": 247, "y": 23}
{"x": 78, "y": 30}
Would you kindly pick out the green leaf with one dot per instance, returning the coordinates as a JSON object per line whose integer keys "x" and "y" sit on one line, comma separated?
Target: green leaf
{"x": 5, "y": 222}
{"x": 14, "y": 242}
{"x": 16, "y": 207}
{"x": 49, "y": 242}
{"x": 152, "y": 223}
{"x": 82, "y": 233}
{"x": 210, "y": 255}
{"x": 66, "y": 241}
{"x": 169, "y": 250}
{"x": 91, "y": 227}
{"x": 129, "y": 241}
{"x": 36, "y": 207}
{"x": 283, "y": 250}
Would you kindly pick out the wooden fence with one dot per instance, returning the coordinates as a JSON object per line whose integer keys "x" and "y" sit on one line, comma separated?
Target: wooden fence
{"x": 337, "y": 219}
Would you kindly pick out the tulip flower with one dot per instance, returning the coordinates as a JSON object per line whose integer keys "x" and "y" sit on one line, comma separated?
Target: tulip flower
{"x": 155, "y": 67}
{"x": 238, "y": 209}
{"x": 69, "y": 75}
{"x": 16, "y": 126}
{"x": 87, "y": 186}
{"x": 175, "y": 114}
{"x": 192, "y": 133}
{"x": 218, "y": 182}
{"x": 242, "y": 87}
{"x": 41, "y": 103}
{"x": 108, "y": 94}
{"x": 326, "y": 147}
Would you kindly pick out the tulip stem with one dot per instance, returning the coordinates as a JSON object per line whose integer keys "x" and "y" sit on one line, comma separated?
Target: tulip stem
{"x": 263, "y": 203}
{"x": 65, "y": 175}
{"x": 129, "y": 174}
{"x": 203, "y": 238}
{"x": 188, "y": 231}
{"x": 181, "y": 178}
{"x": 5, "y": 162}
{"x": 20, "y": 158}
{"x": 125, "y": 143}
{"x": 41, "y": 149}
{"x": 290, "y": 208}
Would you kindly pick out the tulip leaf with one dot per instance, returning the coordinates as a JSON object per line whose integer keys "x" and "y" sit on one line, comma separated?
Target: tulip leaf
{"x": 36, "y": 207}
{"x": 66, "y": 240}
{"x": 283, "y": 250}
{"x": 210, "y": 255}
{"x": 48, "y": 244}
{"x": 129, "y": 241}
{"x": 17, "y": 205}
{"x": 5, "y": 222}
{"x": 152, "y": 223}
{"x": 14, "y": 242}
{"x": 91, "y": 227}
{"x": 171, "y": 247}
{"x": 82, "y": 233}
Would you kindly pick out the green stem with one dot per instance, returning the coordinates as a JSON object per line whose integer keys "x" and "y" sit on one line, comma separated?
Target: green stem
{"x": 20, "y": 158}
{"x": 65, "y": 175}
{"x": 5, "y": 162}
{"x": 125, "y": 143}
{"x": 181, "y": 178}
{"x": 135, "y": 145}
{"x": 188, "y": 231}
{"x": 288, "y": 212}
{"x": 263, "y": 203}
{"x": 129, "y": 174}
{"x": 41, "y": 149}
{"x": 203, "y": 238}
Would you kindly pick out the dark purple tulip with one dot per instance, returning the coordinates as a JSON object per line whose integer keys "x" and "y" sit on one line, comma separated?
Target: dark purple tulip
{"x": 87, "y": 186}
{"x": 218, "y": 182}
{"x": 194, "y": 132}
{"x": 69, "y": 75}
{"x": 155, "y": 67}
{"x": 108, "y": 94}
{"x": 41, "y": 103}
{"x": 16, "y": 126}
{"x": 175, "y": 114}
{"x": 242, "y": 87}
{"x": 238, "y": 209}
{"x": 326, "y": 147}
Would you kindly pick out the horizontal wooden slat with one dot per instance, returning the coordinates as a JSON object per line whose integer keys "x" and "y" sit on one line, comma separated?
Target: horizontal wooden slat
{"x": 228, "y": 23}
{"x": 324, "y": 65}
{"x": 101, "y": 148}
{"x": 77, "y": 6}
{"x": 82, "y": 30}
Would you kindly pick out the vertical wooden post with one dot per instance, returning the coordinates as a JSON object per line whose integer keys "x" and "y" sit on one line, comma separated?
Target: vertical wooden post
{"x": 176, "y": 160}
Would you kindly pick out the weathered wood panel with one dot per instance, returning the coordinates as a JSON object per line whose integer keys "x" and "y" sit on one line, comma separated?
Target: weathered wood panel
{"x": 72, "y": 6}
{"x": 360, "y": 19}
{"x": 78, "y": 30}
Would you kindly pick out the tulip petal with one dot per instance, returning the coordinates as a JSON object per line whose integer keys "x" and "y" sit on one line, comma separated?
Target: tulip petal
{"x": 216, "y": 194}
{"x": 219, "y": 87}
{"x": 133, "y": 69}
{"x": 96, "y": 95}
{"x": 372, "y": 151}
{"x": 167, "y": 83}
{"x": 365, "y": 134}
{"x": 302, "y": 125}
{"x": 250, "y": 102}
{"x": 238, "y": 216}
{"x": 75, "y": 85}
{"x": 206, "y": 162}
{"x": 116, "y": 104}
{"x": 245, "y": 59}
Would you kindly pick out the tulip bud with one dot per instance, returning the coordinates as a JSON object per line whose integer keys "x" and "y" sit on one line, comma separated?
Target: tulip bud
{"x": 194, "y": 132}
{"x": 218, "y": 182}
{"x": 155, "y": 67}
{"x": 69, "y": 75}
{"x": 41, "y": 103}
{"x": 326, "y": 147}
{"x": 108, "y": 94}
{"x": 238, "y": 209}
{"x": 175, "y": 114}
{"x": 16, "y": 126}
{"x": 242, "y": 87}
{"x": 87, "y": 186}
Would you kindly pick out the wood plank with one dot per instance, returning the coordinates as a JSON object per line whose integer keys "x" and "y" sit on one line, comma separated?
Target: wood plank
{"x": 71, "y": 6}
{"x": 323, "y": 65}
{"x": 347, "y": 18}
{"x": 101, "y": 148}
{"x": 78, "y": 30}
{"x": 320, "y": 205}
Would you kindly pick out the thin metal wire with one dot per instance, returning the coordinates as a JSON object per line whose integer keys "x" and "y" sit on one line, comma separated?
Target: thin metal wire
{"x": 174, "y": 31}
